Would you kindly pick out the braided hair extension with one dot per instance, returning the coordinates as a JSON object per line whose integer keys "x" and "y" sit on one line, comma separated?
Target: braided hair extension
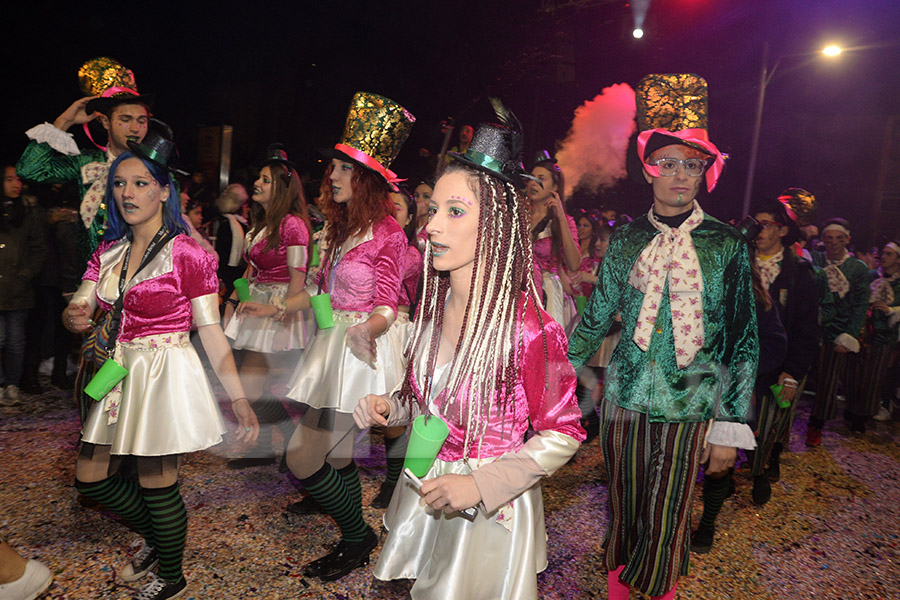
{"x": 491, "y": 342}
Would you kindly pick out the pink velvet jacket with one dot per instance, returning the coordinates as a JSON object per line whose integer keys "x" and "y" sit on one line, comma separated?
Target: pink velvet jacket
{"x": 158, "y": 298}
{"x": 412, "y": 272}
{"x": 368, "y": 274}
{"x": 544, "y": 396}
{"x": 270, "y": 266}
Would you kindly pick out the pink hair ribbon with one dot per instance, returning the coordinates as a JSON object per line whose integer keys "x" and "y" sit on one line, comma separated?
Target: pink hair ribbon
{"x": 106, "y": 94}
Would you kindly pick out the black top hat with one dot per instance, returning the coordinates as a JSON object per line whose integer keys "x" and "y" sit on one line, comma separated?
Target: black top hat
{"x": 158, "y": 147}
{"x": 276, "y": 153}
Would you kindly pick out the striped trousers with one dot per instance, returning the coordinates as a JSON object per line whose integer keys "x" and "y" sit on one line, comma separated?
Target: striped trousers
{"x": 866, "y": 373}
{"x": 652, "y": 468}
{"x": 773, "y": 425}
{"x": 830, "y": 369}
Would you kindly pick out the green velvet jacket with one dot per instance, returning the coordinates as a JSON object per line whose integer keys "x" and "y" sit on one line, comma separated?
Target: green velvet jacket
{"x": 881, "y": 332}
{"x": 849, "y": 313}
{"x": 41, "y": 163}
{"x": 719, "y": 382}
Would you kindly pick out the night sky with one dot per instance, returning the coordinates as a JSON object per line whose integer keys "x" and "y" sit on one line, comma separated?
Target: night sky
{"x": 286, "y": 72}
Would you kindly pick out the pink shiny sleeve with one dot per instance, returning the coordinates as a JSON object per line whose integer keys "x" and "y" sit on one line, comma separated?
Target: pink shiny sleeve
{"x": 550, "y": 382}
{"x": 93, "y": 267}
{"x": 293, "y": 232}
{"x": 195, "y": 268}
{"x": 389, "y": 268}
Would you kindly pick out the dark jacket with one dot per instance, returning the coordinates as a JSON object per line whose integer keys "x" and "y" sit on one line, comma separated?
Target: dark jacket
{"x": 23, "y": 250}
{"x": 795, "y": 295}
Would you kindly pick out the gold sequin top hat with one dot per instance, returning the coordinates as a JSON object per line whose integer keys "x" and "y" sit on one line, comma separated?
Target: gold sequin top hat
{"x": 375, "y": 130}
{"x": 113, "y": 83}
{"x": 672, "y": 109}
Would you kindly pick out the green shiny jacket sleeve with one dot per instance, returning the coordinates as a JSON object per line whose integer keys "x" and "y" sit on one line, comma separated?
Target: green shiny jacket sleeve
{"x": 39, "y": 162}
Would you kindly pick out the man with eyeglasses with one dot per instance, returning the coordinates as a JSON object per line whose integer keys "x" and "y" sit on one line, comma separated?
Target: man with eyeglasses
{"x": 848, "y": 287}
{"x": 688, "y": 355}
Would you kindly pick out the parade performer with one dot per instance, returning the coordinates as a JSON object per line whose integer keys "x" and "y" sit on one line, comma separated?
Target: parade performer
{"x": 869, "y": 369}
{"x": 681, "y": 281}
{"x": 362, "y": 352}
{"x": 52, "y": 156}
{"x": 277, "y": 251}
{"x": 848, "y": 289}
{"x": 554, "y": 234}
{"x": 164, "y": 407}
{"x": 490, "y": 361}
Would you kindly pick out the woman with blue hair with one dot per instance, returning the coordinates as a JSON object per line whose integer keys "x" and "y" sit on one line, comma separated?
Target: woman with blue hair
{"x": 164, "y": 407}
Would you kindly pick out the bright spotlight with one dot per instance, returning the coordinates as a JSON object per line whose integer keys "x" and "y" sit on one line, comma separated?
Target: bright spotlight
{"x": 638, "y": 33}
{"x": 832, "y": 50}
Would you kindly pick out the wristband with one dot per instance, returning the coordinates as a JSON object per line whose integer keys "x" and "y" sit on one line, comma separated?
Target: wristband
{"x": 239, "y": 399}
{"x": 232, "y": 302}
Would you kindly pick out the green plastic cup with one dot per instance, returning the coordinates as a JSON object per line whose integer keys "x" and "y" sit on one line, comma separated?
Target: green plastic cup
{"x": 580, "y": 303}
{"x": 315, "y": 261}
{"x": 243, "y": 289}
{"x": 106, "y": 379}
{"x": 777, "y": 390}
{"x": 321, "y": 306}
{"x": 425, "y": 442}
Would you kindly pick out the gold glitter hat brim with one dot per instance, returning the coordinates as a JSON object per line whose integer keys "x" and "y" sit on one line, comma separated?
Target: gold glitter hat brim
{"x": 375, "y": 130}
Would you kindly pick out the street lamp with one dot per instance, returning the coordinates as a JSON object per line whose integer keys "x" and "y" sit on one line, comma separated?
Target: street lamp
{"x": 765, "y": 77}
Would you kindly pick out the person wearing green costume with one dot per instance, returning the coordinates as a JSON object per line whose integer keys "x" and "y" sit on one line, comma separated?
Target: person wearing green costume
{"x": 848, "y": 287}
{"x": 52, "y": 156}
{"x": 681, "y": 281}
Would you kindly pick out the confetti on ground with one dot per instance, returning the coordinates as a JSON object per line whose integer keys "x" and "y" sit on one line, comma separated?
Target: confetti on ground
{"x": 831, "y": 530}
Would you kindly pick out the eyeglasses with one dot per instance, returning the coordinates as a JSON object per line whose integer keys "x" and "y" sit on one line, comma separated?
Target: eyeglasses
{"x": 767, "y": 224}
{"x": 694, "y": 167}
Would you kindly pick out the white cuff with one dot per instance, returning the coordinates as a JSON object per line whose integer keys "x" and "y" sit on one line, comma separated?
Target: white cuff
{"x": 205, "y": 309}
{"x": 86, "y": 294}
{"x": 296, "y": 257}
{"x": 847, "y": 341}
{"x": 387, "y": 312}
{"x": 735, "y": 435}
{"x": 61, "y": 141}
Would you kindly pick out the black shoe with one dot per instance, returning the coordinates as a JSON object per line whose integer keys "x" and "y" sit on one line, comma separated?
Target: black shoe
{"x": 591, "y": 425}
{"x": 31, "y": 386}
{"x": 159, "y": 589}
{"x": 250, "y": 461}
{"x": 702, "y": 540}
{"x": 384, "y": 495}
{"x": 347, "y": 557}
{"x": 762, "y": 490}
{"x": 307, "y": 506}
{"x": 63, "y": 382}
{"x": 774, "y": 472}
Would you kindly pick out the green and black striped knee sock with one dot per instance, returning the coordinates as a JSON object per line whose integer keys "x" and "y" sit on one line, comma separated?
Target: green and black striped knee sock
{"x": 714, "y": 493}
{"x": 330, "y": 490}
{"x": 272, "y": 412}
{"x": 395, "y": 451}
{"x": 123, "y": 497}
{"x": 350, "y": 476}
{"x": 169, "y": 527}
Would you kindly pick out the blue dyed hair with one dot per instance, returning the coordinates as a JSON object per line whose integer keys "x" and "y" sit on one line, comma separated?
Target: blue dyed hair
{"x": 116, "y": 227}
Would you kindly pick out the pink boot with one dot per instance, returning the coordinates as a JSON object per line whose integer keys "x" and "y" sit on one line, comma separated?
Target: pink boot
{"x": 617, "y": 589}
{"x": 670, "y": 595}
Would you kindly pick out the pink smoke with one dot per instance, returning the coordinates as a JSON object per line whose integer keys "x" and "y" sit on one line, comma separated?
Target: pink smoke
{"x": 593, "y": 153}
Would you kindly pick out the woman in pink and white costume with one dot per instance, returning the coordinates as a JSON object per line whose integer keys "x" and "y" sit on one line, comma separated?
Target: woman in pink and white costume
{"x": 555, "y": 238}
{"x": 276, "y": 250}
{"x": 362, "y": 351}
{"x": 490, "y": 362}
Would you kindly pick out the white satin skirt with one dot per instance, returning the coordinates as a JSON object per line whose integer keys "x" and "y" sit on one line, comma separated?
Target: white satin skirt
{"x": 451, "y": 557}
{"x": 558, "y": 305}
{"x": 264, "y": 334}
{"x": 329, "y": 375}
{"x": 166, "y": 406}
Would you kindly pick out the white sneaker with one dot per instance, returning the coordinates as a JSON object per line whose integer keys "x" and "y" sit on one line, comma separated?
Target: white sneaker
{"x": 144, "y": 561}
{"x": 12, "y": 393}
{"x": 884, "y": 414}
{"x": 30, "y": 585}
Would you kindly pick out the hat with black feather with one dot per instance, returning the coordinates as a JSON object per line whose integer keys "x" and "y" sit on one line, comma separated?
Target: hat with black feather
{"x": 496, "y": 148}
